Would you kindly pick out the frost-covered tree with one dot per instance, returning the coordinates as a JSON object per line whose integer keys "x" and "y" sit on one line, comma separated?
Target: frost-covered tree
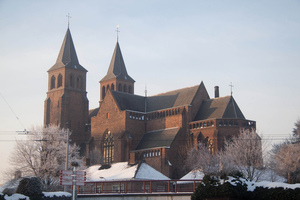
{"x": 285, "y": 156}
{"x": 244, "y": 153}
{"x": 43, "y": 155}
{"x": 200, "y": 158}
{"x": 288, "y": 161}
{"x": 96, "y": 156}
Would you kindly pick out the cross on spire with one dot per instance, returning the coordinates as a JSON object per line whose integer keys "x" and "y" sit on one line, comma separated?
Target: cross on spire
{"x": 117, "y": 32}
{"x": 231, "y": 86}
{"x": 68, "y": 16}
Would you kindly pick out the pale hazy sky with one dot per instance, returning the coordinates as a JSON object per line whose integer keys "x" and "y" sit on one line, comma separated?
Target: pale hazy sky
{"x": 165, "y": 44}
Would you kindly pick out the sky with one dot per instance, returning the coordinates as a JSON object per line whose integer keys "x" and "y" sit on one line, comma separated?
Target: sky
{"x": 166, "y": 45}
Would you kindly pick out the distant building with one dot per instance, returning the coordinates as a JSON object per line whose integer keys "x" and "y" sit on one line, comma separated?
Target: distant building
{"x": 158, "y": 130}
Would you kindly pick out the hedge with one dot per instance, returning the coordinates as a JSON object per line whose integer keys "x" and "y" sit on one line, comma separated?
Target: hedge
{"x": 212, "y": 188}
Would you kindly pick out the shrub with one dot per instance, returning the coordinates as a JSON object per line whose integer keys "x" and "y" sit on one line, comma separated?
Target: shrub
{"x": 31, "y": 187}
{"x": 212, "y": 187}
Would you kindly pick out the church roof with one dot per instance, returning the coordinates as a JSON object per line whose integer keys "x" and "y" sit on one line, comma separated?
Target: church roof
{"x": 127, "y": 101}
{"x": 222, "y": 107}
{"x": 166, "y": 100}
{"x": 93, "y": 112}
{"x": 117, "y": 67}
{"x": 160, "y": 138}
{"x": 67, "y": 56}
{"x": 174, "y": 98}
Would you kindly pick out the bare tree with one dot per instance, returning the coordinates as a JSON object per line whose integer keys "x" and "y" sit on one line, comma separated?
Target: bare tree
{"x": 244, "y": 153}
{"x": 285, "y": 156}
{"x": 296, "y": 130}
{"x": 288, "y": 161}
{"x": 96, "y": 156}
{"x": 43, "y": 155}
{"x": 200, "y": 158}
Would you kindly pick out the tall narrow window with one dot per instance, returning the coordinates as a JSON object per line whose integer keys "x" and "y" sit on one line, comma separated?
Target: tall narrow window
{"x": 125, "y": 88}
{"x": 108, "y": 148}
{"x": 112, "y": 86}
{"x": 79, "y": 82}
{"x": 120, "y": 87}
{"x": 59, "y": 81}
{"x": 52, "y": 82}
{"x": 103, "y": 92}
{"x": 71, "y": 80}
{"x": 129, "y": 89}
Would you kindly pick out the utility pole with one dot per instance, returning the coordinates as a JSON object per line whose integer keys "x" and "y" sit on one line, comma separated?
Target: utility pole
{"x": 67, "y": 157}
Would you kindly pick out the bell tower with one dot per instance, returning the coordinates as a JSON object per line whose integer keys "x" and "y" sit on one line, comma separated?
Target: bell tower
{"x": 116, "y": 77}
{"x": 66, "y": 104}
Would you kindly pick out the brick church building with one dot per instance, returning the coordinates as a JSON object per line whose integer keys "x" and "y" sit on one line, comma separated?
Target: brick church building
{"x": 158, "y": 130}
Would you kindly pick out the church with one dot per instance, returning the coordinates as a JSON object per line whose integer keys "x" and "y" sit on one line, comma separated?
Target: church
{"x": 158, "y": 130}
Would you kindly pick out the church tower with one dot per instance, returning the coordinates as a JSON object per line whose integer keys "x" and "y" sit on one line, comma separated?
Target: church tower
{"x": 116, "y": 77}
{"x": 66, "y": 104}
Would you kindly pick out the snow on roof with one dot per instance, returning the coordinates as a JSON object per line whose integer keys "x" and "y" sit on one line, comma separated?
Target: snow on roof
{"x": 194, "y": 174}
{"x": 117, "y": 171}
{"x": 149, "y": 173}
{"x": 123, "y": 171}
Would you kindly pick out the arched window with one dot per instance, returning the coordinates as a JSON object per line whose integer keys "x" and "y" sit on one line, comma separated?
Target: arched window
{"x": 59, "y": 81}
{"x": 125, "y": 88}
{"x": 129, "y": 89}
{"x": 209, "y": 144}
{"x": 79, "y": 82}
{"x": 107, "y": 87}
{"x": 120, "y": 87}
{"x": 112, "y": 86}
{"x": 52, "y": 82}
{"x": 71, "y": 81}
{"x": 108, "y": 148}
{"x": 103, "y": 92}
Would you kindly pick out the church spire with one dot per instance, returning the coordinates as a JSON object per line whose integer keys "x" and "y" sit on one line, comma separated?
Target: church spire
{"x": 67, "y": 56}
{"x": 117, "y": 67}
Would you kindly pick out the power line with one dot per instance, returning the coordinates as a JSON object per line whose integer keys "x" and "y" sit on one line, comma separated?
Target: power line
{"x": 13, "y": 111}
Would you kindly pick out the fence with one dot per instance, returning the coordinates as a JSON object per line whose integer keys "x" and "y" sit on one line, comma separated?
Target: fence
{"x": 139, "y": 186}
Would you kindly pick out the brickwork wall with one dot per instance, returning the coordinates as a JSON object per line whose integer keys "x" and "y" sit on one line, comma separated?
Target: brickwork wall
{"x": 109, "y": 118}
{"x": 67, "y": 105}
{"x": 116, "y": 83}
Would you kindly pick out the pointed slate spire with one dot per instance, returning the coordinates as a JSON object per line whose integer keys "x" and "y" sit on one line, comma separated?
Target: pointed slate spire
{"x": 117, "y": 67}
{"x": 67, "y": 56}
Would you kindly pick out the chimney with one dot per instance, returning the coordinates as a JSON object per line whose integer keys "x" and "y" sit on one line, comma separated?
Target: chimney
{"x": 216, "y": 91}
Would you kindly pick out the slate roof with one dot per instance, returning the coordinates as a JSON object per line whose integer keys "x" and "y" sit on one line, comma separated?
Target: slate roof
{"x": 160, "y": 138}
{"x": 117, "y": 67}
{"x": 93, "y": 112}
{"x": 128, "y": 101}
{"x": 67, "y": 56}
{"x": 175, "y": 98}
{"x": 166, "y": 100}
{"x": 222, "y": 107}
